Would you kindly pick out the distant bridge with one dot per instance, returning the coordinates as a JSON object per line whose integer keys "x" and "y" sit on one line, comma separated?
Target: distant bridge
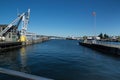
{"x": 51, "y": 37}
{"x": 56, "y": 37}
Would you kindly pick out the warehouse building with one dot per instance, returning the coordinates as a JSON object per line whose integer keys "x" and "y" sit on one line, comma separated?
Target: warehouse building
{"x": 11, "y": 34}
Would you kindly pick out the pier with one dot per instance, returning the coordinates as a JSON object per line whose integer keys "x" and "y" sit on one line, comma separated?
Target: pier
{"x": 109, "y": 49}
{"x": 9, "y": 45}
{"x": 39, "y": 40}
{"x": 4, "y": 46}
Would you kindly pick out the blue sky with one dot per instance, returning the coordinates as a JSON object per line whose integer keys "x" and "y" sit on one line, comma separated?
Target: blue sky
{"x": 65, "y": 17}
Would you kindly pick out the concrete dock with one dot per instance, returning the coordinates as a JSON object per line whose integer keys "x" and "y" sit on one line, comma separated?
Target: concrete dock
{"x": 39, "y": 40}
{"x": 4, "y": 46}
{"x": 105, "y": 48}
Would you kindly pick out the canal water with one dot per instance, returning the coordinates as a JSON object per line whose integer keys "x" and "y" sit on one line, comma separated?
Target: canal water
{"x": 61, "y": 60}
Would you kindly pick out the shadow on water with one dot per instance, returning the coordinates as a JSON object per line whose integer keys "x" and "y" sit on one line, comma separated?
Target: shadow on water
{"x": 114, "y": 56}
{"x": 15, "y": 59}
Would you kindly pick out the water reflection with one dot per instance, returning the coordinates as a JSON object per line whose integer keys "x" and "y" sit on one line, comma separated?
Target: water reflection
{"x": 23, "y": 59}
{"x": 15, "y": 60}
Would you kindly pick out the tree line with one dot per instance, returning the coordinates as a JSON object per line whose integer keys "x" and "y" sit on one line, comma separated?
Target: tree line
{"x": 103, "y": 36}
{"x": 107, "y": 37}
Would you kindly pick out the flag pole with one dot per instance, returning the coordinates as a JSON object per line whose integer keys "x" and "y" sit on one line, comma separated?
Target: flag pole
{"x": 94, "y": 15}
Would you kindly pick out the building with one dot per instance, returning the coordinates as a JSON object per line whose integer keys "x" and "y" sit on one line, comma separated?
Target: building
{"x": 92, "y": 37}
{"x": 11, "y": 34}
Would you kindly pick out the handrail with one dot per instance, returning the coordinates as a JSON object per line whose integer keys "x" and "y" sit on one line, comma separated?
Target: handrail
{"x": 22, "y": 74}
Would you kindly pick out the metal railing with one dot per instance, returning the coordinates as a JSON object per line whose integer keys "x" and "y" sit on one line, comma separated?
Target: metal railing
{"x": 22, "y": 74}
{"x": 104, "y": 43}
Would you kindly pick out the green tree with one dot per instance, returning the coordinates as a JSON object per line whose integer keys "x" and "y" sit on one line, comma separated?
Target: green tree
{"x": 118, "y": 38}
{"x": 106, "y": 36}
{"x": 101, "y": 36}
{"x": 84, "y": 37}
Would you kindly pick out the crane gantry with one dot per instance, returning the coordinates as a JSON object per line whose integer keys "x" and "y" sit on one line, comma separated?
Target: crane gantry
{"x": 24, "y": 18}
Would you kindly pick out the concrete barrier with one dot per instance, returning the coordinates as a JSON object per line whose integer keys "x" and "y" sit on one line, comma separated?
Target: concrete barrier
{"x": 112, "y": 50}
{"x": 4, "y": 46}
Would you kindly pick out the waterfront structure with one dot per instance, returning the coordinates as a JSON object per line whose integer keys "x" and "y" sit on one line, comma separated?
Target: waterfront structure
{"x": 92, "y": 37}
{"x": 110, "y": 49}
{"x": 24, "y": 18}
{"x": 11, "y": 35}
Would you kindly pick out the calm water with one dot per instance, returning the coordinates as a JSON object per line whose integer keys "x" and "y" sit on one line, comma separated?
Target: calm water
{"x": 61, "y": 60}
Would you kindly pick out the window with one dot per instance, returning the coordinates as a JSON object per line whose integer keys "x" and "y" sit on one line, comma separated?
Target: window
{"x": 9, "y": 35}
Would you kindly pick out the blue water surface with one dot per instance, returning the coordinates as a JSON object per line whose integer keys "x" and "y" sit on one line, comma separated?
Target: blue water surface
{"x": 61, "y": 60}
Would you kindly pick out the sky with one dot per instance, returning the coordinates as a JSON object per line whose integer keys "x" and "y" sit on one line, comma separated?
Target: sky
{"x": 65, "y": 17}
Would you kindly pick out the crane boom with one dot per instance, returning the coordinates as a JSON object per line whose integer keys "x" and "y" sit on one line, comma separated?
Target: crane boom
{"x": 24, "y": 17}
{"x": 11, "y": 24}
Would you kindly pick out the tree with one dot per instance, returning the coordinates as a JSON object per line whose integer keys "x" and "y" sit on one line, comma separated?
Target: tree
{"x": 118, "y": 39}
{"x": 84, "y": 37}
{"x": 106, "y": 36}
{"x": 101, "y": 36}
